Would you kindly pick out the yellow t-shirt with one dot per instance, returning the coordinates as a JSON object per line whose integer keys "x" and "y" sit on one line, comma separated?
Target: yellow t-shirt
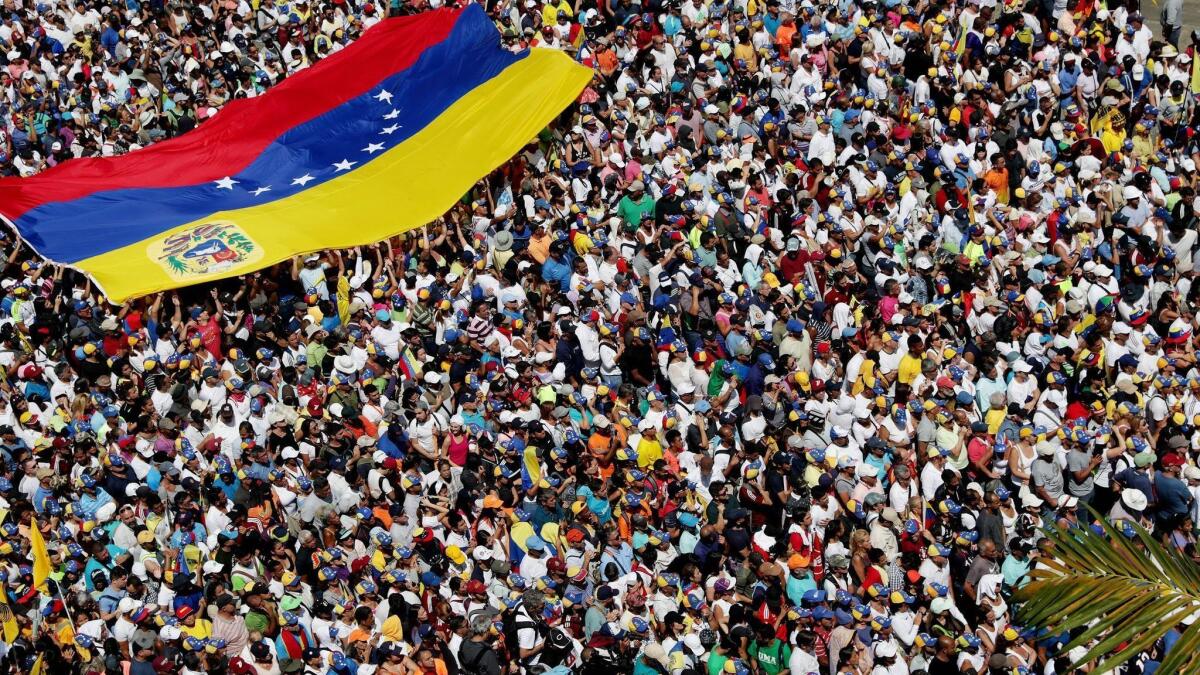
{"x": 973, "y": 251}
{"x": 649, "y": 452}
{"x": 812, "y": 475}
{"x": 745, "y": 52}
{"x": 994, "y": 418}
{"x": 866, "y": 377}
{"x": 551, "y": 10}
{"x": 910, "y": 368}
{"x": 201, "y": 631}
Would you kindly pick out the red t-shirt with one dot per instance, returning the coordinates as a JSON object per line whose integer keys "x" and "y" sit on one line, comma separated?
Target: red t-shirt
{"x": 790, "y": 266}
{"x": 210, "y": 335}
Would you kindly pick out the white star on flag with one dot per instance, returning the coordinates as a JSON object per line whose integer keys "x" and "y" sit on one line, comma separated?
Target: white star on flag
{"x": 259, "y": 191}
{"x": 387, "y": 131}
{"x": 384, "y": 95}
{"x": 344, "y": 165}
{"x": 226, "y": 183}
{"x": 302, "y": 180}
{"x": 373, "y": 148}
{"x": 392, "y": 115}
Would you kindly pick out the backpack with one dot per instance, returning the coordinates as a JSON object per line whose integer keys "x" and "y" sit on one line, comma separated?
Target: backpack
{"x": 471, "y": 666}
{"x": 557, "y": 650}
{"x": 1004, "y": 326}
{"x": 605, "y": 662}
{"x": 511, "y": 623}
{"x": 798, "y": 501}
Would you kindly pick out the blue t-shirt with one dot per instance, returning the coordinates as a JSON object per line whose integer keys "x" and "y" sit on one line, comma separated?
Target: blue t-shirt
{"x": 1137, "y": 479}
{"x": 90, "y": 568}
{"x": 798, "y": 586}
{"x": 1067, "y": 80}
{"x": 554, "y": 271}
{"x": 772, "y": 23}
{"x": 110, "y": 39}
{"x": 1173, "y": 495}
{"x": 109, "y": 600}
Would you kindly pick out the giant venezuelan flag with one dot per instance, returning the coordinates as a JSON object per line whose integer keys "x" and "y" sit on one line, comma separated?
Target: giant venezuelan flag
{"x": 373, "y": 141}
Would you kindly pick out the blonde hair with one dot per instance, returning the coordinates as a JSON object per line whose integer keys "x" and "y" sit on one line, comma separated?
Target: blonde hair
{"x": 860, "y": 540}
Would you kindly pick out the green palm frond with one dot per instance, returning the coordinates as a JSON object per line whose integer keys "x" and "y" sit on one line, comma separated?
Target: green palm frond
{"x": 1117, "y": 595}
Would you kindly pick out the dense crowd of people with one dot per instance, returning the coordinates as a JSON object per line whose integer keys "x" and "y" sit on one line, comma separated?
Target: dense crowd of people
{"x": 773, "y": 355}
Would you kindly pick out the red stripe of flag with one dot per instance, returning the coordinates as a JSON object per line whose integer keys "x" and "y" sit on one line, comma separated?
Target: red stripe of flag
{"x": 232, "y": 140}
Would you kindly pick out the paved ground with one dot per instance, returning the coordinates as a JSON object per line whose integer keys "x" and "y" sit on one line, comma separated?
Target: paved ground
{"x": 1191, "y": 18}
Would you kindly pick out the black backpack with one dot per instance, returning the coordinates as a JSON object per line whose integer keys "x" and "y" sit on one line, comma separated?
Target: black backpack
{"x": 471, "y": 665}
{"x": 557, "y": 650}
{"x": 1004, "y": 326}
{"x": 513, "y": 622}
{"x": 605, "y": 662}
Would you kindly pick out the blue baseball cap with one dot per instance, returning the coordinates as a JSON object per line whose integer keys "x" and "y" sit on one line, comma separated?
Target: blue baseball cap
{"x": 814, "y": 596}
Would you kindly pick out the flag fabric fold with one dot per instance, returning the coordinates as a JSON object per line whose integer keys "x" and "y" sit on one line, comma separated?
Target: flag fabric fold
{"x": 378, "y": 139}
{"x": 41, "y": 557}
{"x": 9, "y": 630}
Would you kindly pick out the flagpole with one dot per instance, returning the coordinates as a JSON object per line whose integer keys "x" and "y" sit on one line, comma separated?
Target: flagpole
{"x": 66, "y": 606}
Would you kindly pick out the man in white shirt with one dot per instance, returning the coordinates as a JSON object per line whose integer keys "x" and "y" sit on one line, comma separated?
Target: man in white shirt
{"x": 822, "y": 146}
{"x": 528, "y": 615}
{"x": 589, "y": 339}
{"x": 804, "y": 661}
{"x": 387, "y": 334}
{"x": 423, "y": 431}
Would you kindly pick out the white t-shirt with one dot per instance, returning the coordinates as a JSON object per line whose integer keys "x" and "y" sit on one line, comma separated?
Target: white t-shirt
{"x": 803, "y": 663}
{"x": 389, "y": 338}
{"x": 422, "y": 432}
{"x": 314, "y": 278}
{"x": 527, "y": 638}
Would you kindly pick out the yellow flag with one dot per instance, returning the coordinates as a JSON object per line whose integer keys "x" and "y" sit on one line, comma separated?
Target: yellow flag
{"x": 66, "y": 635}
{"x": 9, "y": 630}
{"x": 39, "y": 666}
{"x": 533, "y": 467}
{"x": 41, "y": 559}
